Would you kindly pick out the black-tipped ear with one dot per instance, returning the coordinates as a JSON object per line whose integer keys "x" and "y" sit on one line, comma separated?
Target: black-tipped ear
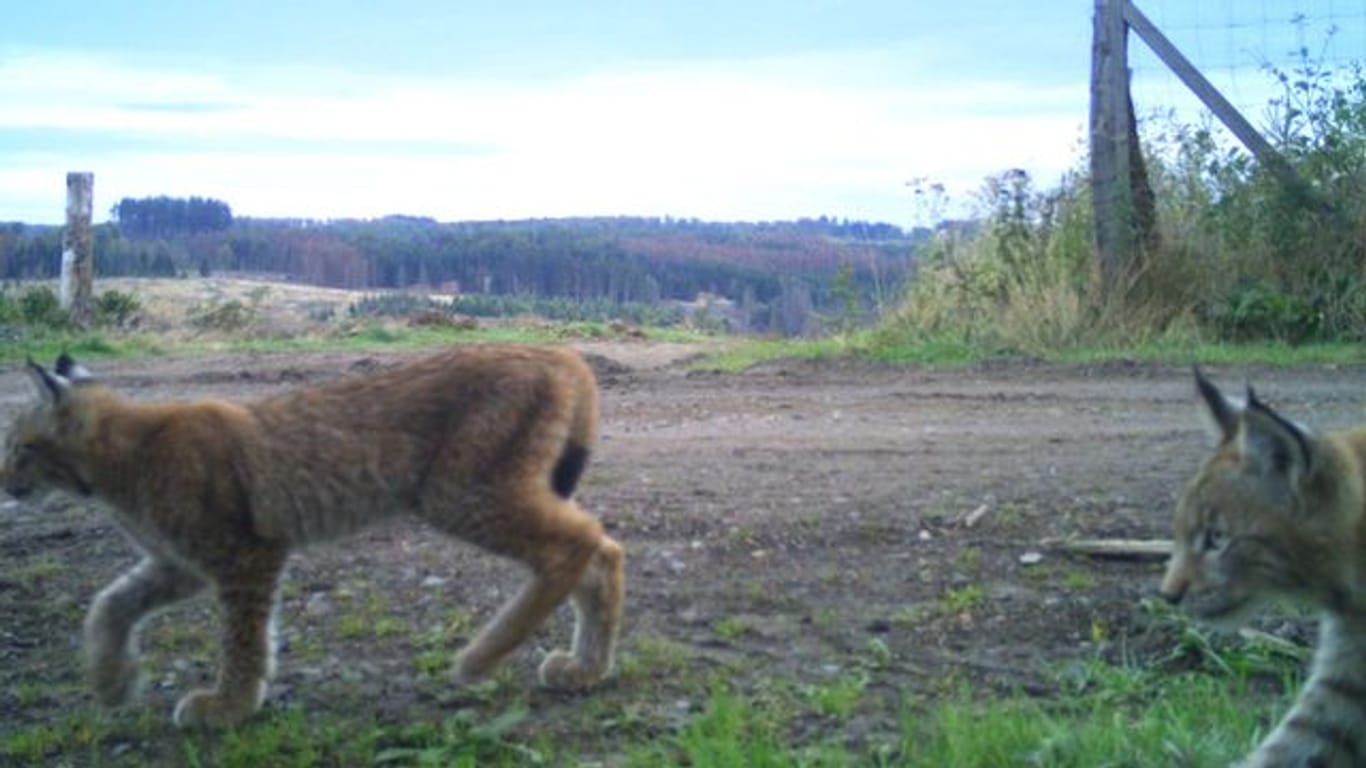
{"x": 1223, "y": 415}
{"x": 52, "y": 388}
{"x": 64, "y": 365}
{"x": 69, "y": 369}
{"x": 1272, "y": 443}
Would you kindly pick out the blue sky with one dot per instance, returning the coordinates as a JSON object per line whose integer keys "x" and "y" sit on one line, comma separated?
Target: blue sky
{"x": 481, "y": 110}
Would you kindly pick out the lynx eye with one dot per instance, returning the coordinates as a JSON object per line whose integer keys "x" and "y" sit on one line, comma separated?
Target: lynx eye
{"x": 1213, "y": 540}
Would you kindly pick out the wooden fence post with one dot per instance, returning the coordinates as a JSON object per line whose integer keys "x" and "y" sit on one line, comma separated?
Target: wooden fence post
{"x": 1111, "y": 191}
{"x": 78, "y": 246}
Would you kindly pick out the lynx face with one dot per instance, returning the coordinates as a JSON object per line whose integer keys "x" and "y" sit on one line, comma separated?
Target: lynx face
{"x": 38, "y": 454}
{"x": 1260, "y": 520}
{"x": 1278, "y": 511}
{"x": 1230, "y": 548}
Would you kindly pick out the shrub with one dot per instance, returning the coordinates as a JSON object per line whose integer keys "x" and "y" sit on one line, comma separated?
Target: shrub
{"x": 39, "y": 305}
{"x": 226, "y": 316}
{"x": 1239, "y": 255}
{"x": 116, "y": 309}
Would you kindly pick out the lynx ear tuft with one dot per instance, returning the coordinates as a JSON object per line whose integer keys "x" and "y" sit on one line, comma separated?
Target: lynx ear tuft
{"x": 51, "y": 386}
{"x": 68, "y": 368}
{"x": 1220, "y": 414}
{"x": 1273, "y": 444}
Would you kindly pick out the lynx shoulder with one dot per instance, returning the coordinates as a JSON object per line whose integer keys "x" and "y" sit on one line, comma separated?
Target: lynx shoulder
{"x": 485, "y": 443}
{"x": 1278, "y": 510}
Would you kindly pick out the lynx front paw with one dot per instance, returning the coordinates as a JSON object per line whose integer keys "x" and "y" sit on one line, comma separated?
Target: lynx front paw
{"x": 210, "y": 709}
{"x": 114, "y": 679}
{"x": 562, "y": 671}
{"x": 467, "y": 671}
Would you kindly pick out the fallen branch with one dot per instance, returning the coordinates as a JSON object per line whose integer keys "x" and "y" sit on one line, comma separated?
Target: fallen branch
{"x": 1276, "y": 644}
{"x": 1131, "y": 549}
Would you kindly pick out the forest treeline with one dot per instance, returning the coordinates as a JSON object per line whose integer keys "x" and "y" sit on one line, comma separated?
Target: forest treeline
{"x": 779, "y": 276}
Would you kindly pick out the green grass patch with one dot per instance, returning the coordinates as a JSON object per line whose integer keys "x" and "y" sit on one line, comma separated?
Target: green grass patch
{"x": 1262, "y": 353}
{"x": 744, "y": 353}
{"x": 45, "y": 346}
{"x": 948, "y": 352}
{"x": 1113, "y": 716}
{"x": 284, "y": 739}
{"x": 77, "y": 734}
{"x": 463, "y": 740}
{"x": 1100, "y": 714}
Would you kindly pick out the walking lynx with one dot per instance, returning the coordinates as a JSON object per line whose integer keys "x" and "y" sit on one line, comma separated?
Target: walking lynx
{"x": 485, "y": 443}
{"x": 1280, "y": 511}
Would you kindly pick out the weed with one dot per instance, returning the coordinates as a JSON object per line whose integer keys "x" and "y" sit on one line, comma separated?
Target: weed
{"x": 1079, "y": 581}
{"x": 961, "y": 600}
{"x": 656, "y": 655}
{"x": 36, "y": 572}
{"x": 77, "y": 733}
{"x": 838, "y": 698}
{"x": 732, "y": 627}
{"x": 462, "y": 740}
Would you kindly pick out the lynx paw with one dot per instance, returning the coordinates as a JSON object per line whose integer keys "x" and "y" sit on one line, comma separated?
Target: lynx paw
{"x": 209, "y": 709}
{"x": 466, "y": 671}
{"x": 115, "y": 680}
{"x": 563, "y": 671}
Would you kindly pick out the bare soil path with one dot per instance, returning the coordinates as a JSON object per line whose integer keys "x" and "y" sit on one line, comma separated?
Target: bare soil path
{"x": 791, "y": 523}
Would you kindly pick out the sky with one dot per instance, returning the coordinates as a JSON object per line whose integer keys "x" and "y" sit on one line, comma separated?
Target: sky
{"x": 508, "y": 109}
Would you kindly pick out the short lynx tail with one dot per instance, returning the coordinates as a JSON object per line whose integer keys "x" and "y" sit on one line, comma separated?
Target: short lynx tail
{"x": 565, "y": 477}
{"x": 583, "y": 431}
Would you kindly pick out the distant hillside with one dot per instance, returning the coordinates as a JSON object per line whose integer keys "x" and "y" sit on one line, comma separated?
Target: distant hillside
{"x": 775, "y": 275}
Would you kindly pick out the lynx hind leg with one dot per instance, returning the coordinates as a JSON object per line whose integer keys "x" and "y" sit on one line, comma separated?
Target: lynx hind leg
{"x": 558, "y": 541}
{"x": 111, "y": 624}
{"x": 597, "y": 602}
{"x": 247, "y": 656}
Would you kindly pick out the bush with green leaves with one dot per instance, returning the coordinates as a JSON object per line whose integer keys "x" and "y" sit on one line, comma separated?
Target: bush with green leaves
{"x": 39, "y": 305}
{"x": 224, "y": 316}
{"x": 1239, "y": 255}
{"x": 116, "y": 309}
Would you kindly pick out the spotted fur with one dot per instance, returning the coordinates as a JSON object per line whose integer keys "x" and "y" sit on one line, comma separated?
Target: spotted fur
{"x": 1279, "y": 511}
{"x": 485, "y": 443}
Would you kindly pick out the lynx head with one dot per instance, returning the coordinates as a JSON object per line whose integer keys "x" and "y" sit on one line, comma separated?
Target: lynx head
{"x": 1260, "y": 519}
{"x": 42, "y": 447}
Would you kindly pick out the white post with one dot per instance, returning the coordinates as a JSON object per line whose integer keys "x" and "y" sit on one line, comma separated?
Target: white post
{"x": 78, "y": 245}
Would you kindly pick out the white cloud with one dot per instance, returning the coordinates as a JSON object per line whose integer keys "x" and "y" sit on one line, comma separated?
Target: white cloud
{"x": 734, "y": 140}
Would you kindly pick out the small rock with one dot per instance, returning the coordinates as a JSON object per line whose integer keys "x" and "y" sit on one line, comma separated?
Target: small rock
{"x": 432, "y": 582}
{"x": 692, "y": 615}
{"x": 924, "y": 536}
{"x": 318, "y": 604}
{"x": 879, "y": 626}
{"x": 1031, "y": 558}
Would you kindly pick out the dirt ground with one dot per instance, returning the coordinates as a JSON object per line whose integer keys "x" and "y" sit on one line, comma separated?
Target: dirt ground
{"x": 790, "y": 523}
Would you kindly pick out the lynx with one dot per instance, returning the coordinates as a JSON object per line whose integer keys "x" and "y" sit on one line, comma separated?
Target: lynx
{"x": 484, "y": 443}
{"x": 1280, "y": 511}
